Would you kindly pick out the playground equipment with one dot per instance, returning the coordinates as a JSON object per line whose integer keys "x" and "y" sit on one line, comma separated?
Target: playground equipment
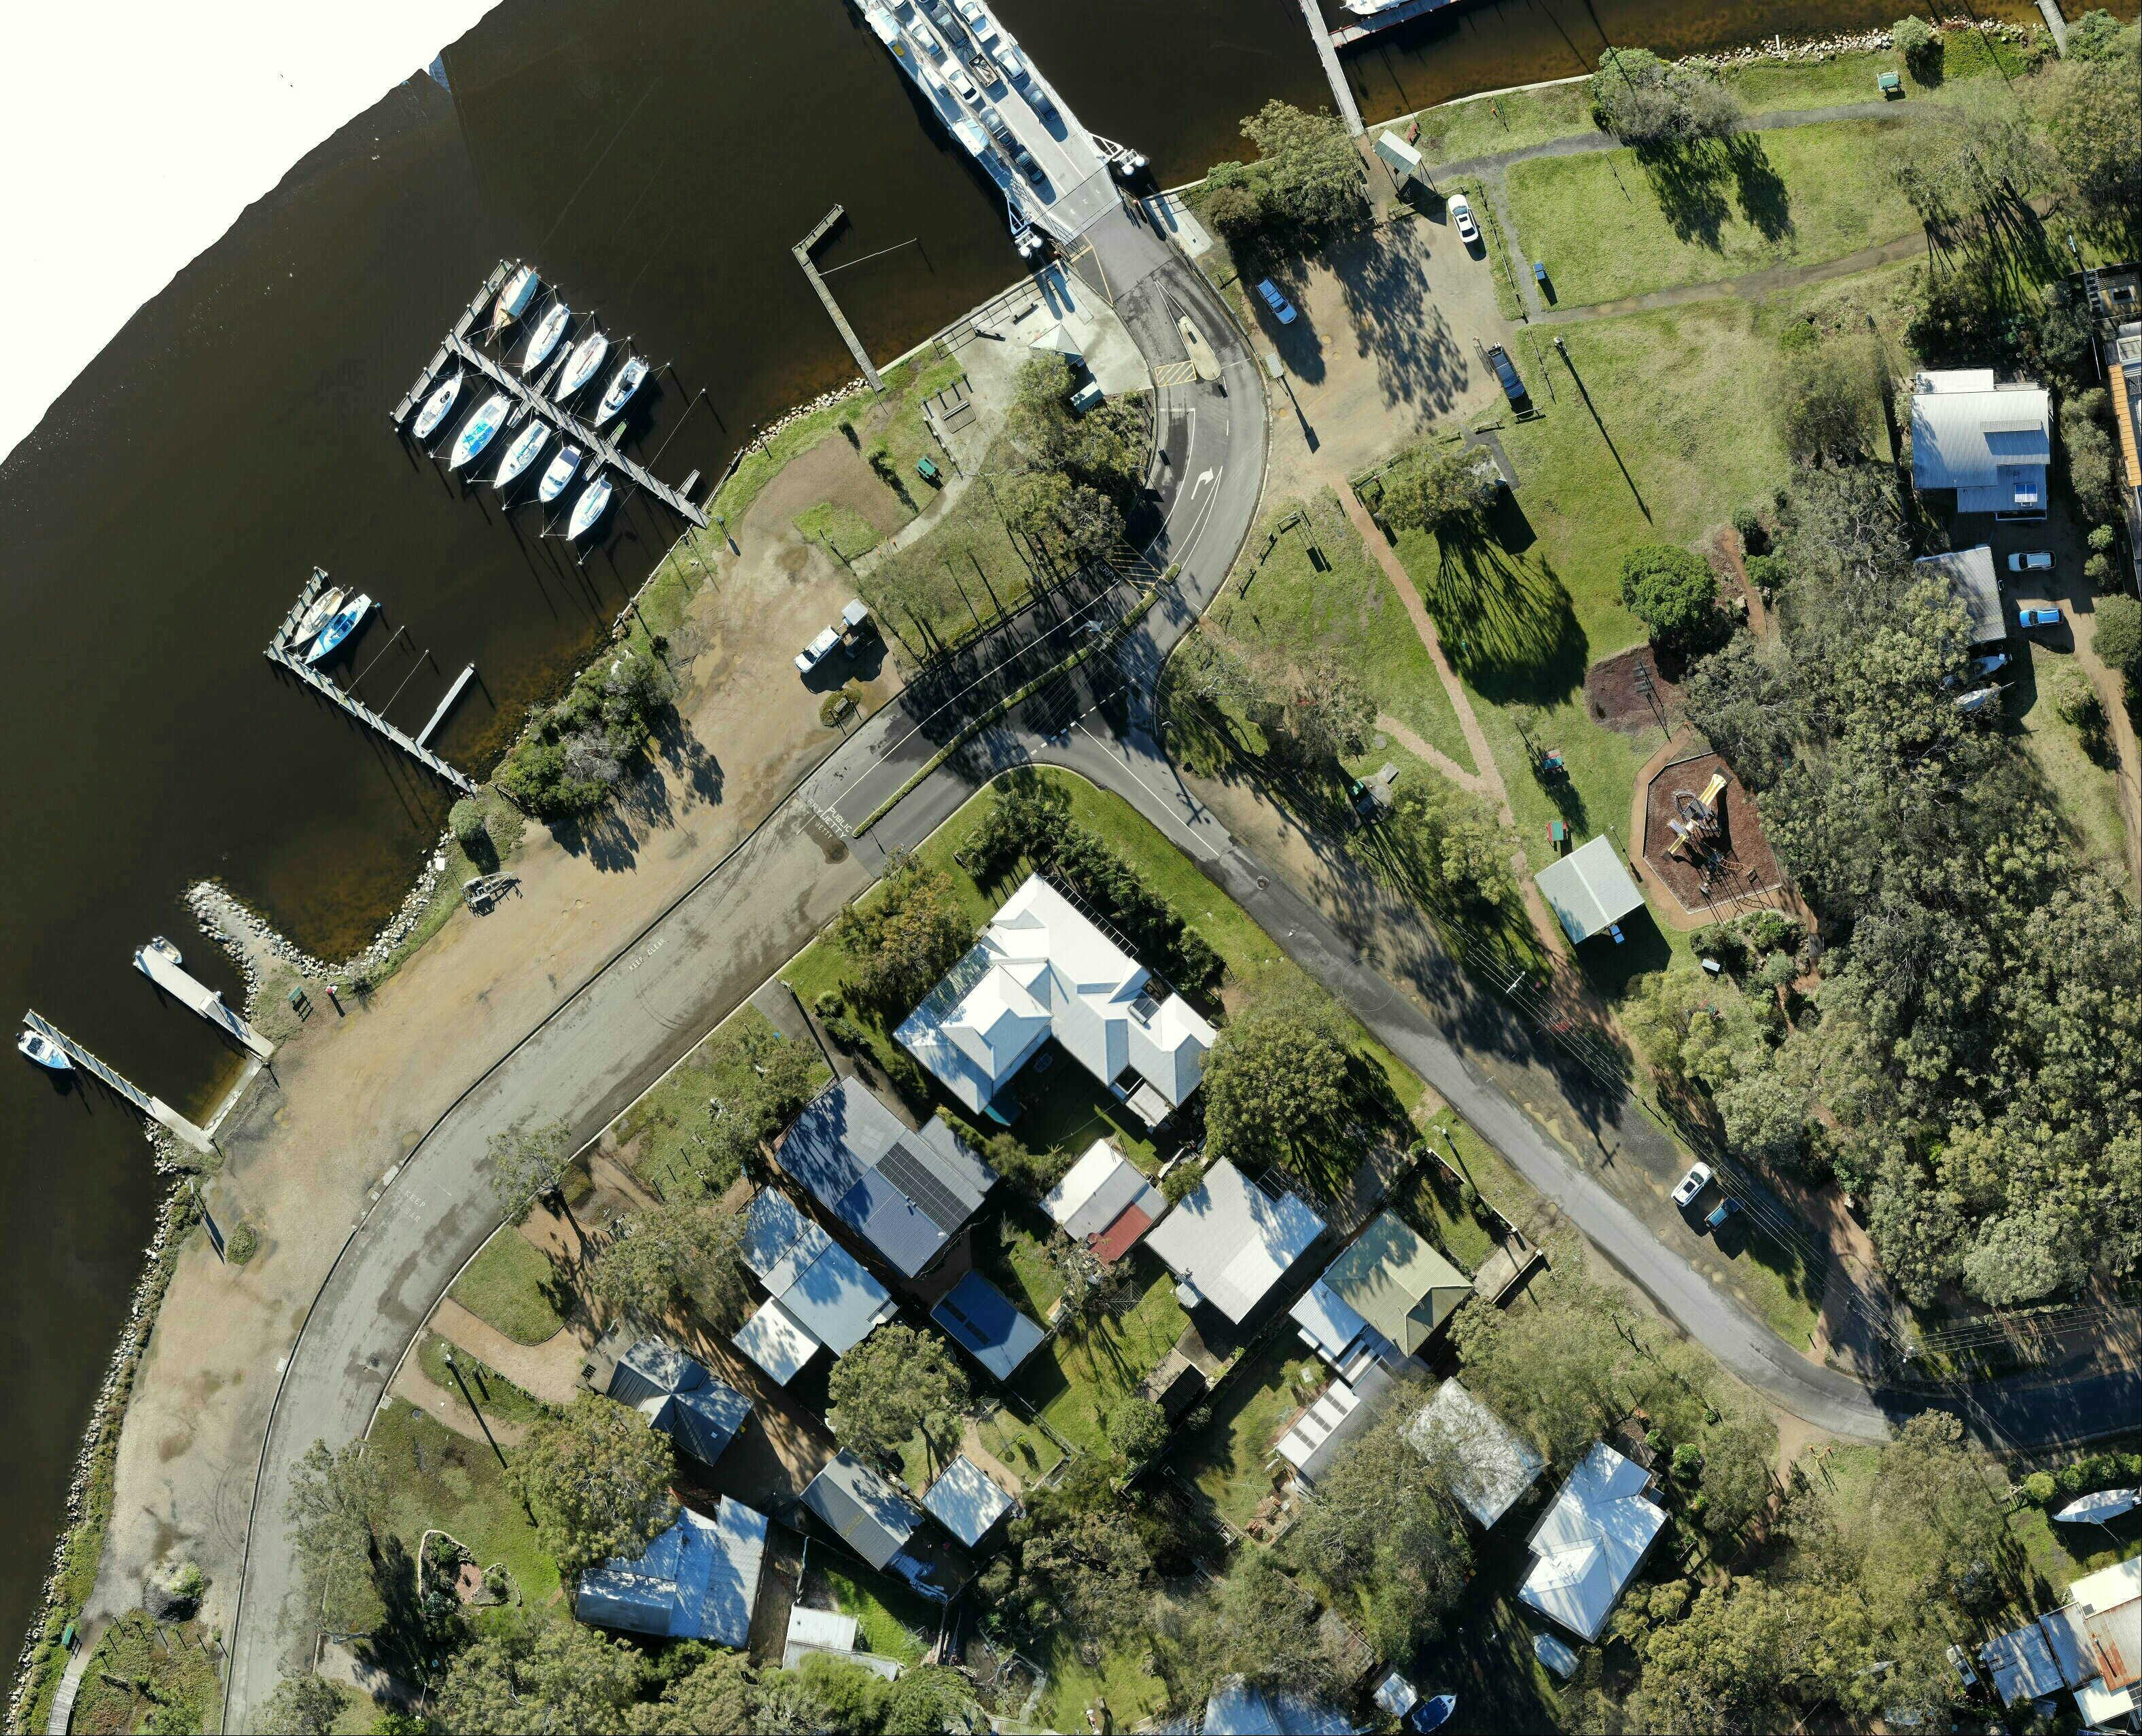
{"x": 1698, "y": 831}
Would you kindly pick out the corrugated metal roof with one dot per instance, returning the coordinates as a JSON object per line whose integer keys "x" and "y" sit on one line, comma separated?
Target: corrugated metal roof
{"x": 862, "y": 1508}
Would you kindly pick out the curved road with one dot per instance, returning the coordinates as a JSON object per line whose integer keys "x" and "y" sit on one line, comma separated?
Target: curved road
{"x": 754, "y": 910}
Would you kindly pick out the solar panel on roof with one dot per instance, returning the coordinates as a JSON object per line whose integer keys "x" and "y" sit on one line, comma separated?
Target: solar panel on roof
{"x": 909, "y": 1174}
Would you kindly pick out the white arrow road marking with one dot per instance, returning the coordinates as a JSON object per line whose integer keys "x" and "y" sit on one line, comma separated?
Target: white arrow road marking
{"x": 1203, "y": 477}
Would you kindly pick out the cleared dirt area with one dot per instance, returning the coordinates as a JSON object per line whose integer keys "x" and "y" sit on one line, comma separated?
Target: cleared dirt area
{"x": 1615, "y": 689}
{"x": 831, "y": 473}
{"x": 1738, "y": 863}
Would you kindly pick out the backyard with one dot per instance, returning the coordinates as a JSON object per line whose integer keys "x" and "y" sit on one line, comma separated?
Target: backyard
{"x": 1227, "y": 1460}
{"x": 1078, "y": 1377}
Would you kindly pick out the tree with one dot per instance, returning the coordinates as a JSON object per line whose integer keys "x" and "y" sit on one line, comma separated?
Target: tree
{"x": 706, "y": 1690}
{"x": 2089, "y": 451}
{"x": 1274, "y": 1081}
{"x": 1828, "y": 404}
{"x": 1137, "y": 1427}
{"x": 1425, "y": 489}
{"x": 337, "y": 1508}
{"x": 1083, "y": 1566}
{"x": 465, "y": 820}
{"x": 525, "y": 1676}
{"x": 1736, "y": 1479}
{"x": 1026, "y": 816}
{"x": 598, "y": 1478}
{"x": 905, "y": 934}
{"x": 526, "y": 1163}
{"x": 1670, "y": 591}
{"x": 1256, "y": 1623}
{"x": 895, "y": 1383}
{"x": 930, "y": 1700}
{"x": 1920, "y": 45}
{"x": 2118, "y": 639}
{"x": 845, "y": 1698}
{"x": 1310, "y": 180}
{"x": 304, "y": 1704}
{"x": 681, "y": 1255}
{"x": 1645, "y": 102}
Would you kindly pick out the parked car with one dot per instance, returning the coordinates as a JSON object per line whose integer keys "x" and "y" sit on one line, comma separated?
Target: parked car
{"x": 1461, "y": 213}
{"x": 955, "y": 75}
{"x": 978, "y": 20}
{"x": 1721, "y": 1212}
{"x": 1977, "y": 700}
{"x": 818, "y": 651}
{"x": 1014, "y": 64}
{"x": 2031, "y": 560}
{"x": 1693, "y": 1183}
{"x": 1027, "y": 166}
{"x": 2030, "y": 618}
{"x": 1514, "y": 388}
{"x": 1282, "y": 308}
{"x": 928, "y": 38}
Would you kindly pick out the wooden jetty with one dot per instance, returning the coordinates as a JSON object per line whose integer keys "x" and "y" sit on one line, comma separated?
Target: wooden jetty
{"x": 1342, "y": 93}
{"x": 589, "y": 439}
{"x": 801, "y": 249}
{"x": 160, "y": 962}
{"x": 1346, "y": 35}
{"x": 445, "y": 704}
{"x": 416, "y": 394}
{"x": 154, "y": 1108}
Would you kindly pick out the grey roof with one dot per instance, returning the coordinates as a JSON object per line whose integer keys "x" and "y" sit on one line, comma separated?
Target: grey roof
{"x": 1487, "y": 1464}
{"x": 1991, "y": 443}
{"x": 1232, "y": 1240}
{"x": 980, "y": 1318}
{"x": 676, "y": 1394}
{"x": 697, "y": 1580}
{"x": 965, "y": 1502}
{"x": 816, "y": 1279}
{"x": 1238, "y": 1709}
{"x": 906, "y": 1193}
{"x": 1590, "y": 890}
{"x": 1973, "y": 582}
{"x": 862, "y": 1508}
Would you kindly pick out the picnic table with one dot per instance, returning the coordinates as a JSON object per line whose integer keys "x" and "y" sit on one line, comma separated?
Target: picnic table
{"x": 927, "y": 470}
{"x": 1557, "y": 833}
{"x": 1889, "y": 85}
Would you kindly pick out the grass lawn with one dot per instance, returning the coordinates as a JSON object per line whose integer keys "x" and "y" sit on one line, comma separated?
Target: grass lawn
{"x": 1609, "y": 226}
{"x": 891, "y": 1619}
{"x": 1073, "y": 1381}
{"x": 438, "y": 1479}
{"x": 1227, "y": 1459}
{"x": 503, "y": 1401}
{"x": 512, "y": 1287}
{"x": 174, "y": 1684}
{"x": 1019, "y": 1446}
{"x": 1315, "y": 590}
{"x": 2089, "y": 795}
{"x": 1132, "y": 1695}
{"x": 840, "y": 527}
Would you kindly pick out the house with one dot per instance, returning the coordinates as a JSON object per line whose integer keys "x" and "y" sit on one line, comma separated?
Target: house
{"x": 827, "y": 1631}
{"x": 1972, "y": 582}
{"x": 677, "y": 1395}
{"x": 1043, "y": 970}
{"x": 1105, "y": 1202}
{"x": 863, "y": 1510}
{"x": 980, "y": 1319}
{"x": 1337, "y": 1414}
{"x": 1991, "y": 443}
{"x": 966, "y": 1502}
{"x": 907, "y": 1194}
{"x": 1395, "y": 1283}
{"x": 1589, "y": 1544}
{"x": 1591, "y": 890}
{"x": 1239, "y": 1709}
{"x": 1487, "y": 1464}
{"x": 2092, "y": 1646}
{"x": 1228, "y": 1241}
{"x": 697, "y": 1580}
{"x": 818, "y": 1294}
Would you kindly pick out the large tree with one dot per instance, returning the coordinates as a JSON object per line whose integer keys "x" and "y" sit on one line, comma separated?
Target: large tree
{"x": 303, "y": 1705}
{"x": 904, "y": 935}
{"x": 2094, "y": 116}
{"x": 598, "y": 1480}
{"x": 1653, "y": 104}
{"x": 1671, "y": 590}
{"x": 1306, "y": 183}
{"x": 525, "y": 1676}
{"x": 1828, "y": 404}
{"x": 1075, "y": 1562}
{"x": 671, "y": 1257}
{"x": 1275, "y": 1084}
{"x": 896, "y": 1383}
{"x": 1440, "y": 489}
{"x": 526, "y": 1163}
{"x": 337, "y": 1508}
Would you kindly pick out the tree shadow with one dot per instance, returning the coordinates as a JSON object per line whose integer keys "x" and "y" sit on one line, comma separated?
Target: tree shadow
{"x": 1506, "y": 620}
{"x": 1698, "y": 186}
{"x": 1396, "y": 321}
{"x": 1759, "y": 190}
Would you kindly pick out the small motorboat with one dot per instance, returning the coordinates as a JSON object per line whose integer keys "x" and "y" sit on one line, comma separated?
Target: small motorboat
{"x": 344, "y": 623}
{"x": 520, "y": 455}
{"x": 1432, "y": 1714}
{"x": 513, "y": 299}
{"x": 477, "y": 431}
{"x": 436, "y": 407}
{"x": 318, "y": 616}
{"x": 43, "y": 1050}
{"x": 622, "y": 385}
{"x": 559, "y": 477}
{"x": 546, "y": 337}
{"x": 581, "y": 365}
{"x": 589, "y": 507}
{"x": 2095, "y": 1509}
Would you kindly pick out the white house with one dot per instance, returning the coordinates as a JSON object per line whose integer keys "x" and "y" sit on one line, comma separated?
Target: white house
{"x": 1228, "y": 1241}
{"x": 1042, "y": 971}
{"x": 1589, "y": 1544}
{"x": 1990, "y": 443}
{"x": 1490, "y": 1465}
{"x": 1105, "y": 1202}
{"x": 2091, "y": 1646}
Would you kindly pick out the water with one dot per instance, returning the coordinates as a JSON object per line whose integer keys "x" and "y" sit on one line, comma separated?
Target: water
{"x": 655, "y": 157}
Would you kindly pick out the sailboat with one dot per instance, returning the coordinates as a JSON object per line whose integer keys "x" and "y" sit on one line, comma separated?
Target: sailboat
{"x": 580, "y": 366}
{"x": 436, "y": 407}
{"x": 520, "y": 455}
{"x": 2095, "y": 1509}
{"x": 589, "y": 507}
{"x": 513, "y": 299}
{"x": 477, "y": 431}
{"x": 340, "y": 628}
{"x": 545, "y": 338}
{"x": 622, "y": 384}
{"x": 43, "y": 1050}
{"x": 559, "y": 477}
{"x": 318, "y": 616}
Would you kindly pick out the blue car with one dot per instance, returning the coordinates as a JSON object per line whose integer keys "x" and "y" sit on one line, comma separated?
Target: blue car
{"x": 1723, "y": 1210}
{"x": 1282, "y": 308}
{"x": 2030, "y": 618}
{"x": 1506, "y": 372}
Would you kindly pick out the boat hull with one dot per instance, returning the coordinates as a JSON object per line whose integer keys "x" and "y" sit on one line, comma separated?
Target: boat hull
{"x": 593, "y": 503}
{"x": 481, "y": 429}
{"x": 513, "y": 299}
{"x": 559, "y": 477}
{"x": 545, "y": 338}
{"x": 436, "y": 408}
{"x": 318, "y": 615}
{"x": 522, "y": 453}
{"x": 622, "y": 388}
{"x": 335, "y": 631}
{"x": 43, "y": 1050}
{"x": 580, "y": 367}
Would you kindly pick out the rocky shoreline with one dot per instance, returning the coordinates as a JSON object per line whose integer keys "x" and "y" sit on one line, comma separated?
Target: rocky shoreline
{"x": 1862, "y": 42}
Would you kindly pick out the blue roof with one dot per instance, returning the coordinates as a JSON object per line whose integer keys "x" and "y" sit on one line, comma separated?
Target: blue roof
{"x": 818, "y": 1281}
{"x": 982, "y": 1321}
{"x": 697, "y": 1580}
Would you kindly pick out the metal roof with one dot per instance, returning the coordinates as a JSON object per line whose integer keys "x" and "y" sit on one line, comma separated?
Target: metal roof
{"x": 819, "y": 1284}
{"x": 1488, "y": 1464}
{"x": 862, "y": 1508}
{"x": 966, "y": 1502}
{"x": 1397, "y": 1282}
{"x": 1590, "y": 890}
{"x": 677, "y": 1395}
{"x": 697, "y": 1580}
{"x": 1974, "y": 582}
{"x": 1972, "y": 436}
{"x": 1233, "y": 1241}
{"x": 983, "y": 1322}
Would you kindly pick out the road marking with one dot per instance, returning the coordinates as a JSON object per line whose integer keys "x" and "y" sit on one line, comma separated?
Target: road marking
{"x": 1203, "y": 477}
{"x": 1175, "y": 373}
{"x": 1167, "y": 802}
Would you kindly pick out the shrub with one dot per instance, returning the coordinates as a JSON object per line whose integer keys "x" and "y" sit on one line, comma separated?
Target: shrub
{"x": 829, "y": 1002}
{"x": 2038, "y": 1488}
{"x": 2118, "y": 639}
{"x": 241, "y": 1244}
{"x": 2102, "y": 539}
{"x": 1687, "y": 1463}
{"x": 1748, "y": 526}
{"x": 845, "y": 1033}
{"x": 1920, "y": 45}
{"x": 1671, "y": 590}
{"x": 1767, "y": 573}
{"x": 465, "y": 820}
{"x": 908, "y": 1077}
{"x": 2098, "y": 569}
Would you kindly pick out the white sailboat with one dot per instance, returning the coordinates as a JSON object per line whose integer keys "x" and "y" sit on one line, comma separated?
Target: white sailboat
{"x": 513, "y": 299}
{"x": 344, "y": 623}
{"x": 477, "y": 431}
{"x": 323, "y": 610}
{"x": 589, "y": 507}
{"x": 436, "y": 407}
{"x": 544, "y": 338}
{"x": 559, "y": 477}
{"x": 2095, "y": 1509}
{"x": 581, "y": 365}
{"x": 622, "y": 384}
{"x": 520, "y": 455}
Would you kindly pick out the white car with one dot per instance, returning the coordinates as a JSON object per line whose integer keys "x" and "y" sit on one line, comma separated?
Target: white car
{"x": 928, "y": 38}
{"x": 2036, "y": 560}
{"x": 1014, "y": 64}
{"x": 1461, "y": 213}
{"x": 956, "y": 76}
{"x": 1693, "y": 1183}
{"x": 818, "y": 651}
{"x": 978, "y": 20}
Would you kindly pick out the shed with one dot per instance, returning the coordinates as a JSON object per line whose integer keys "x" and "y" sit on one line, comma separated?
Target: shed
{"x": 1590, "y": 890}
{"x": 1398, "y": 156}
{"x": 1973, "y": 582}
{"x": 966, "y": 1502}
{"x": 982, "y": 1321}
{"x": 1488, "y": 1464}
{"x": 862, "y": 1509}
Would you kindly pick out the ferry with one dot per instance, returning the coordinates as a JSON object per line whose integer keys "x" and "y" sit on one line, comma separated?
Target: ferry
{"x": 544, "y": 338}
{"x": 513, "y": 299}
{"x": 520, "y": 455}
{"x": 339, "y": 629}
{"x": 559, "y": 477}
{"x": 436, "y": 407}
{"x": 588, "y": 508}
{"x": 622, "y": 384}
{"x": 581, "y": 365}
{"x": 477, "y": 431}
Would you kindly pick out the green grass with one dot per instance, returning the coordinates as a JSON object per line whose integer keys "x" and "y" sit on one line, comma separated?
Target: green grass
{"x": 1073, "y": 1381}
{"x": 1008, "y": 1247}
{"x": 1227, "y": 1459}
{"x": 1609, "y": 226}
{"x": 500, "y": 1399}
{"x": 959, "y": 574}
{"x": 1020, "y": 1446}
{"x": 1133, "y": 1695}
{"x": 891, "y": 1619}
{"x": 171, "y": 1678}
{"x": 512, "y": 1287}
{"x": 437, "y": 1479}
{"x": 1283, "y": 606}
{"x": 2048, "y": 1550}
{"x": 1488, "y": 126}
{"x": 840, "y": 528}
{"x": 2088, "y": 794}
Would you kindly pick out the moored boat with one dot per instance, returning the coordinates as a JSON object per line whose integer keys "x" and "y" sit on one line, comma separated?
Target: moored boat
{"x": 520, "y": 455}
{"x": 345, "y": 623}
{"x": 544, "y": 338}
{"x": 581, "y": 365}
{"x": 513, "y": 299}
{"x": 622, "y": 384}
{"x": 477, "y": 431}
{"x": 589, "y": 507}
{"x": 436, "y": 407}
{"x": 318, "y": 615}
{"x": 43, "y": 1050}
{"x": 559, "y": 477}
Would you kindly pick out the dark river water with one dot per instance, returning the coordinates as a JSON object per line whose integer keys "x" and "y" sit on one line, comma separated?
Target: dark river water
{"x": 654, "y": 158}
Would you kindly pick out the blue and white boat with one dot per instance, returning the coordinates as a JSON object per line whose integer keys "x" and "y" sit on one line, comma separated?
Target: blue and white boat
{"x": 544, "y": 338}
{"x": 43, "y": 1050}
{"x": 581, "y": 365}
{"x": 477, "y": 431}
{"x": 589, "y": 507}
{"x": 513, "y": 299}
{"x": 520, "y": 455}
{"x": 622, "y": 384}
{"x": 344, "y": 623}
{"x": 559, "y": 477}
{"x": 436, "y": 407}
{"x": 318, "y": 616}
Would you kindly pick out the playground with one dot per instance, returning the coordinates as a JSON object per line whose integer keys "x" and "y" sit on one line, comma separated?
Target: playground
{"x": 1703, "y": 839}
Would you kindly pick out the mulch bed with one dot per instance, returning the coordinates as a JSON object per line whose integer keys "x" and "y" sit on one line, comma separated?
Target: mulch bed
{"x": 1749, "y": 866}
{"x": 1610, "y": 689}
